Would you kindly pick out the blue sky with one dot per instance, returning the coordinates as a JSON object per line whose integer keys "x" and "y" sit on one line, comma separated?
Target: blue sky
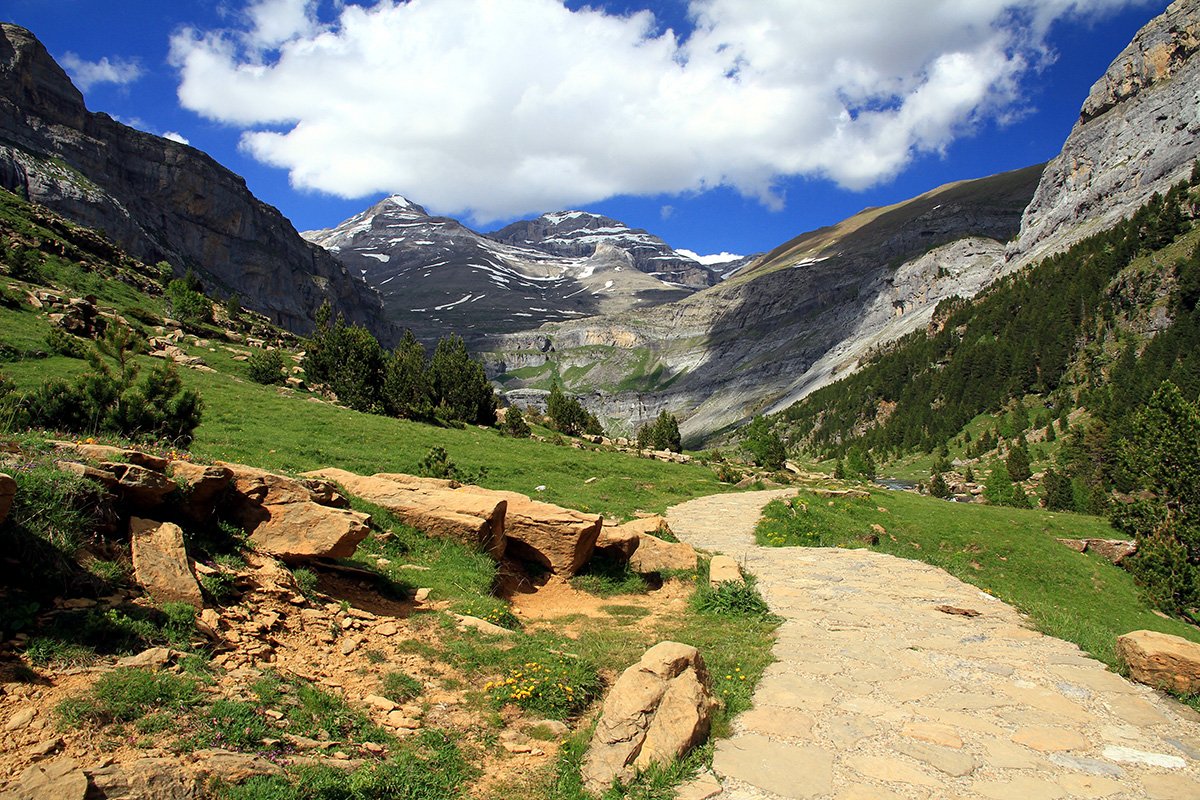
{"x": 720, "y": 125}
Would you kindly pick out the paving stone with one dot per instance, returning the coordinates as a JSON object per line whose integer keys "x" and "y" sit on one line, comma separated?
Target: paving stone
{"x": 1050, "y": 740}
{"x": 952, "y": 762}
{"x": 975, "y": 723}
{"x": 1170, "y": 787}
{"x": 1137, "y": 711}
{"x": 775, "y": 721}
{"x": 891, "y": 770}
{"x": 1021, "y": 788}
{"x": 1089, "y": 785}
{"x": 847, "y": 731}
{"x": 793, "y": 691}
{"x": 1129, "y": 755}
{"x": 933, "y": 733}
{"x": 1091, "y": 766}
{"x": 917, "y": 688}
{"x": 1007, "y": 755}
{"x": 782, "y": 769}
{"x": 703, "y": 787}
{"x": 861, "y": 791}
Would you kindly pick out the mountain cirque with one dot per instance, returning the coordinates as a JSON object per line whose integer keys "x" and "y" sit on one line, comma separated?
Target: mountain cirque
{"x": 160, "y": 200}
{"x": 807, "y": 312}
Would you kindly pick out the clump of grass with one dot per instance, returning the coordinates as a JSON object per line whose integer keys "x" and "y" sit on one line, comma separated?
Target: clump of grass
{"x": 609, "y": 577}
{"x": 306, "y": 581}
{"x": 429, "y": 767}
{"x": 77, "y": 638}
{"x": 557, "y": 688}
{"x": 126, "y": 695}
{"x": 736, "y": 599}
{"x": 400, "y": 687}
{"x": 231, "y": 725}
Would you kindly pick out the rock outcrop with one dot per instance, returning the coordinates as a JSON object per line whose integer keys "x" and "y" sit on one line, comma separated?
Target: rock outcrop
{"x": 1161, "y": 660}
{"x": 436, "y": 507}
{"x": 504, "y": 524}
{"x": 160, "y": 200}
{"x": 1138, "y": 132}
{"x": 723, "y": 569}
{"x": 8, "y": 490}
{"x": 656, "y": 711}
{"x": 160, "y": 562}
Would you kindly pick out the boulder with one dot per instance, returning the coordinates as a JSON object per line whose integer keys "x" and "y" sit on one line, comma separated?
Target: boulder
{"x": 1161, "y": 660}
{"x": 8, "y": 490}
{"x": 304, "y": 530}
{"x": 105, "y": 452}
{"x": 658, "y": 709}
{"x": 655, "y": 555}
{"x": 436, "y": 507}
{"x": 286, "y": 518}
{"x": 558, "y": 538}
{"x": 160, "y": 562}
{"x": 202, "y": 486}
{"x": 145, "y": 779}
{"x": 617, "y": 543}
{"x": 723, "y": 569}
{"x": 61, "y": 779}
{"x": 1115, "y": 550}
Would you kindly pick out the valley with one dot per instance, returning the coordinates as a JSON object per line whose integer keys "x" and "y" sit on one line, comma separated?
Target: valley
{"x": 405, "y": 510}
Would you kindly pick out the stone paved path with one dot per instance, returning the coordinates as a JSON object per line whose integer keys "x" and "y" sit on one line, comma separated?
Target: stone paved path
{"x": 877, "y": 694}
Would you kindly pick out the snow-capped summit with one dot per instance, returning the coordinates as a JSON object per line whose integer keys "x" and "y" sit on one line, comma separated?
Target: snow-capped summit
{"x": 578, "y": 233}
{"x": 436, "y": 275}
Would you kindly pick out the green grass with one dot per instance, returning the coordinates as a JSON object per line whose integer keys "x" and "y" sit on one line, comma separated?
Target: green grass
{"x": 247, "y": 423}
{"x": 430, "y": 767}
{"x": 609, "y": 577}
{"x": 1009, "y": 553}
{"x": 127, "y": 695}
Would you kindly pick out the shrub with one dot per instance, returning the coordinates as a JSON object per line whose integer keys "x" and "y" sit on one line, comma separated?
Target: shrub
{"x": 306, "y": 581}
{"x": 266, "y": 367}
{"x": 515, "y": 424}
{"x": 1017, "y": 463}
{"x": 1163, "y": 452}
{"x": 938, "y": 487}
{"x": 764, "y": 445}
{"x": 999, "y": 490}
{"x": 567, "y": 415}
{"x": 185, "y": 298}
{"x": 406, "y": 386}
{"x": 109, "y": 399}
{"x": 63, "y": 343}
{"x": 460, "y": 387}
{"x": 662, "y": 434}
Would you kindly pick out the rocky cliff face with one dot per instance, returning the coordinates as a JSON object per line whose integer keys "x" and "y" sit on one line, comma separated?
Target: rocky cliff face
{"x": 160, "y": 200}
{"x": 789, "y": 322}
{"x": 1138, "y": 133}
{"x": 578, "y": 234}
{"x": 437, "y": 275}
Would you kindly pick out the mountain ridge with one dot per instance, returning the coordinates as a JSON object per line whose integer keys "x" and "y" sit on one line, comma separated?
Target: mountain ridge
{"x": 436, "y": 274}
{"x": 158, "y": 199}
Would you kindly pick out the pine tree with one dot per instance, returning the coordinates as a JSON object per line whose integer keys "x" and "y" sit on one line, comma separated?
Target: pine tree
{"x": 1017, "y": 463}
{"x": 515, "y": 424}
{"x": 406, "y": 389}
{"x": 460, "y": 388}
{"x": 938, "y": 487}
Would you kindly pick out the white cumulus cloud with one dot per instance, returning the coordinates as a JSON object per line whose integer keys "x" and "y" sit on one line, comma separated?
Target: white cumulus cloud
{"x": 498, "y": 108}
{"x": 86, "y": 74}
{"x": 174, "y": 136}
